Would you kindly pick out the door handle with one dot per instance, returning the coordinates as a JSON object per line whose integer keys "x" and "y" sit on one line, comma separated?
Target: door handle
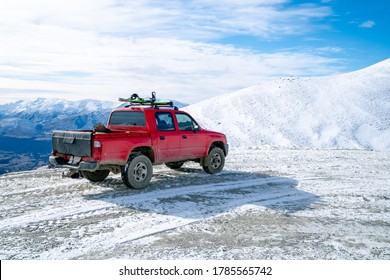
{"x": 162, "y": 137}
{"x": 184, "y": 136}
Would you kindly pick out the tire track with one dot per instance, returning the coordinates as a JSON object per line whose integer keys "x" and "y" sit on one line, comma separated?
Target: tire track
{"x": 154, "y": 221}
{"x": 99, "y": 221}
{"x": 82, "y": 206}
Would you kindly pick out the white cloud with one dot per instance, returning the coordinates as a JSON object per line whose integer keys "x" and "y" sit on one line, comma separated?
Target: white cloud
{"x": 330, "y": 50}
{"x": 104, "y": 48}
{"x": 367, "y": 24}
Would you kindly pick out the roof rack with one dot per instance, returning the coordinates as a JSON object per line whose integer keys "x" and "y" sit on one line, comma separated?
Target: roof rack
{"x": 135, "y": 100}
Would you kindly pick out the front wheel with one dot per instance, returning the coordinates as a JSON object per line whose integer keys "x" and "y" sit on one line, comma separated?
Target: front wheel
{"x": 215, "y": 161}
{"x": 95, "y": 176}
{"x": 138, "y": 172}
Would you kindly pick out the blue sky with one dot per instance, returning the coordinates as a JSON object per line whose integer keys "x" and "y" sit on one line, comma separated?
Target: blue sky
{"x": 184, "y": 50}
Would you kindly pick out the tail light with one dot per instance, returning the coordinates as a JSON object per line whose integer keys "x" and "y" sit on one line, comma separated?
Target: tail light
{"x": 97, "y": 149}
{"x": 97, "y": 144}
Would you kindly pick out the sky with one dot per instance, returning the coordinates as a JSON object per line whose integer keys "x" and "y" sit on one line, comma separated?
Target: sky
{"x": 183, "y": 50}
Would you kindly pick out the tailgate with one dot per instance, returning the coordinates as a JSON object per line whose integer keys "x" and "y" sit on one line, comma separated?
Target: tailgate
{"x": 76, "y": 143}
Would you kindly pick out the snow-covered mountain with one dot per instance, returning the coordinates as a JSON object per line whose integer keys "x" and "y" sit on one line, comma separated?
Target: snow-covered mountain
{"x": 40, "y": 117}
{"x": 26, "y": 127}
{"x": 348, "y": 111}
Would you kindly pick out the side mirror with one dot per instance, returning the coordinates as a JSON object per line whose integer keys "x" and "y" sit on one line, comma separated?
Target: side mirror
{"x": 196, "y": 128}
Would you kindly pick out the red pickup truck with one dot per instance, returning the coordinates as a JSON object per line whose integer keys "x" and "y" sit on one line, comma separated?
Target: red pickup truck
{"x": 135, "y": 139}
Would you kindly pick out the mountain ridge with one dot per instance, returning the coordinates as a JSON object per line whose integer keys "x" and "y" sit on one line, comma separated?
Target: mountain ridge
{"x": 38, "y": 118}
{"x": 26, "y": 127}
{"x": 345, "y": 111}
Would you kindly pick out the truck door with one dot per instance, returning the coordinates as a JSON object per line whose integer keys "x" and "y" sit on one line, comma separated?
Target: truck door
{"x": 168, "y": 140}
{"x": 192, "y": 140}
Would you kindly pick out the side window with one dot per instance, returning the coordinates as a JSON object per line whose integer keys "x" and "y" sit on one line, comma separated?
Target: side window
{"x": 185, "y": 122}
{"x": 164, "y": 121}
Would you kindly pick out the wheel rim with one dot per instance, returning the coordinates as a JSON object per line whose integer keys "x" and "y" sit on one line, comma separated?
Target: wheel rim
{"x": 216, "y": 161}
{"x": 140, "y": 172}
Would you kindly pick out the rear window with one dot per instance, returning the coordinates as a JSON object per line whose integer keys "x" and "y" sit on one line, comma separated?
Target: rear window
{"x": 129, "y": 118}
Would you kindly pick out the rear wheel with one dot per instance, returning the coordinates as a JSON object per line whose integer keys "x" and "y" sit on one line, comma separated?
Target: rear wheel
{"x": 215, "y": 161}
{"x": 138, "y": 172}
{"x": 95, "y": 176}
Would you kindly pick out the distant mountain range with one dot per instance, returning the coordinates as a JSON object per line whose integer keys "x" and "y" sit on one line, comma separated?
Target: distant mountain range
{"x": 26, "y": 127}
{"x": 346, "y": 111}
{"x": 38, "y": 118}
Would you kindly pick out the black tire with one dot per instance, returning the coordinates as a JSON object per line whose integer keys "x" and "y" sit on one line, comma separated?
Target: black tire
{"x": 137, "y": 172}
{"x": 95, "y": 176}
{"x": 215, "y": 161}
{"x": 174, "y": 164}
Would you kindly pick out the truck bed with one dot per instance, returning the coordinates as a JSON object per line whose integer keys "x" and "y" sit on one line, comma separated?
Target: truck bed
{"x": 68, "y": 142}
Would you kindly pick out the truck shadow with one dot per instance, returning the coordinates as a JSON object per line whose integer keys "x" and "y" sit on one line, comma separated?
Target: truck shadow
{"x": 193, "y": 194}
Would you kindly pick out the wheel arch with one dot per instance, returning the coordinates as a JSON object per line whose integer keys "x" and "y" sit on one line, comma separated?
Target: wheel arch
{"x": 144, "y": 150}
{"x": 218, "y": 144}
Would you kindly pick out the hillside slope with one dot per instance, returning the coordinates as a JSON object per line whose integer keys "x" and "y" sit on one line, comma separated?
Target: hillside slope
{"x": 349, "y": 111}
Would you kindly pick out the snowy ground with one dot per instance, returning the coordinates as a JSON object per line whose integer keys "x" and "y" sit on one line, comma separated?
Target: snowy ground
{"x": 266, "y": 204}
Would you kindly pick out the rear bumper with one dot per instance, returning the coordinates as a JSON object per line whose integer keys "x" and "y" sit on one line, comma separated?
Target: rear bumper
{"x": 59, "y": 162}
